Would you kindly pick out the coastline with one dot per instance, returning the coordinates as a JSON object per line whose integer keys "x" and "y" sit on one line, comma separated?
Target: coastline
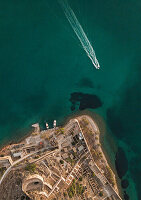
{"x": 104, "y": 133}
{"x": 97, "y": 130}
{"x": 100, "y": 125}
{"x": 7, "y": 144}
{"x": 103, "y": 129}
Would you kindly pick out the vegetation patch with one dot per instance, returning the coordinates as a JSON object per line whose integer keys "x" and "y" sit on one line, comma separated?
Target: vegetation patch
{"x": 31, "y": 167}
{"x": 76, "y": 189}
{"x": 61, "y": 161}
{"x": 101, "y": 194}
{"x": 71, "y": 161}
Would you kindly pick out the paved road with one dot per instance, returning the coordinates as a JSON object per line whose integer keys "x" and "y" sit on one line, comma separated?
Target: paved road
{"x": 16, "y": 162}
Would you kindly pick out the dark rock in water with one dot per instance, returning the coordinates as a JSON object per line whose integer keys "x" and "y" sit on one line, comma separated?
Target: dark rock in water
{"x": 85, "y": 82}
{"x": 86, "y": 101}
{"x": 124, "y": 183}
{"x": 126, "y": 196}
{"x": 136, "y": 163}
{"x": 121, "y": 163}
{"x": 72, "y": 107}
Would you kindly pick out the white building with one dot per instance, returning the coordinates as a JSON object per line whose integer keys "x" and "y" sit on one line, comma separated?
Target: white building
{"x": 80, "y": 148}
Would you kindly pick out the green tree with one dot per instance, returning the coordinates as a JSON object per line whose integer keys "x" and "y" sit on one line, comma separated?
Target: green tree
{"x": 101, "y": 194}
{"x": 61, "y": 161}
{"x": 31, "y": 167}
{"x": 64, "y": 194}
{"x": 80, "y": 179}
{"x": 70, "y": 194}
{"x": 93, "y": 174}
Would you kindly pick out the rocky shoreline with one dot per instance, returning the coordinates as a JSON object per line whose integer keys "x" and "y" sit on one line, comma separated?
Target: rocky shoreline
{"x": 96, "y": 133}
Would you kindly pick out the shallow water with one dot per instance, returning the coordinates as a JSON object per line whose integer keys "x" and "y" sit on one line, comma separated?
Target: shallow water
{"x": 42, "y": 63}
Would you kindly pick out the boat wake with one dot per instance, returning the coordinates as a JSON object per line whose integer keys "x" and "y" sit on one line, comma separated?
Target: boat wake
{"x": 79, "y": 32}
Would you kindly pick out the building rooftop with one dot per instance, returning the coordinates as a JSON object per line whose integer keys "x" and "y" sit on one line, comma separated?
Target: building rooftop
{"x": 71, "y": 156}
{"x": 74, "y": 149}
{"x": 80, "y": 148}
{"x": 65, "y": 155}
{"x": 65, "y": 150}
{"x": 80, "y": 136}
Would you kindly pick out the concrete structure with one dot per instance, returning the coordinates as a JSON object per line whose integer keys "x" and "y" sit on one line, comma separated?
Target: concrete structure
{"x": 71, "y": 156}
{"x": 5, "y": 161}
{"x": 80, "y": 148}
{"x": 37, "y": 127}
{"x": 65, "y": 155}
{"x": 34, "y": 140}
{"x": 17, "y": 154}
{"x": 65, "y": 150}
{"x": 80, "y": 136}
{"x": 33, "y": 182}
{"x": 74, "y": 149}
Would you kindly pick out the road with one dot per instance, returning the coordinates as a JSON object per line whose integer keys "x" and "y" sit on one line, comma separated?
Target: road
{"x": 14, "y": 163}
{"x": 18, "y": 161}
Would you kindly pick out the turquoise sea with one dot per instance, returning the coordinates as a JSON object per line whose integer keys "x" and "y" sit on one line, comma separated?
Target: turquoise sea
{"x": 45, "y": 73}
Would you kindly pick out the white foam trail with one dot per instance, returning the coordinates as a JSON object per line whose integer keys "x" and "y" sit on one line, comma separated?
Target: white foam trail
{"x": 79, "y": 32}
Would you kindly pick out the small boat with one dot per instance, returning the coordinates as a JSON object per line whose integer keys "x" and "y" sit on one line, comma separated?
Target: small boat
{"x": 47, "y": 126}
{"x": 54, "y": 123}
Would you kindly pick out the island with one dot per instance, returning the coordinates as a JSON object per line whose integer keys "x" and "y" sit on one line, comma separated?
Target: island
{"x": 60, "y": 163}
